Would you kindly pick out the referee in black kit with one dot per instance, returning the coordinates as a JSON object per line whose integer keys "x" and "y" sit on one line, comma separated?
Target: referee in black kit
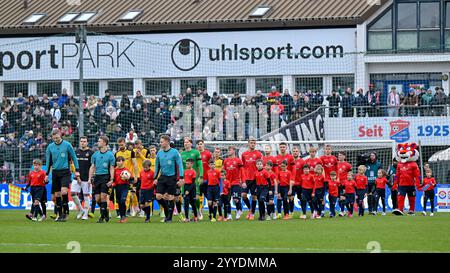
{"x": 170, "y": 166}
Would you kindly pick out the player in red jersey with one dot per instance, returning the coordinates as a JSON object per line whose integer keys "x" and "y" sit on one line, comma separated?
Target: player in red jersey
{"x": 37, "y": 179}
{"x": 146, "y": 195}
{"x": 308, "y": 190}
{"x": 285, "y": 156}
{"x": 380, "y": 183}
{"x": 329, "y": 163}
{"x": 269, "y": 157}
{"x": 225, "y": 195}
{"x": 284, "y": 188}
{"x": 333, "y": 192}
{"x": 349, "y": 190}
{"x": 319, "y": 186}
{"x": 190, "y": 189}
{"x": 343, "y": 167}
{"x": 233, "y": 166}
{"x": 206, "y": 156}
{"x": 297, "y": 188}
{"x": 213, "y": 192}
{"x": 263, "y": 182}
{"x": 429, "y": 183}
{"x": 361, "y": 188}
{"x": 249, "y": 158}
{"x": 312, "y": 160}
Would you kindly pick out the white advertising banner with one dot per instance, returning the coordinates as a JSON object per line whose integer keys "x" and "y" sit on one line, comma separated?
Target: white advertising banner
{"x": 238, "y": 53}
{"x": 429, "y": 130}
{"x": 443, "y": 198}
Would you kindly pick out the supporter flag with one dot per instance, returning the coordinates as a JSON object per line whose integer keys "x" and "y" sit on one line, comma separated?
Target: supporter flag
{"x": 14, "y": 195}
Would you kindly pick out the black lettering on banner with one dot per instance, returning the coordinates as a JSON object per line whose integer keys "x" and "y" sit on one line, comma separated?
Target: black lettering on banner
{"x": 216, "y": 57}
{"x": 53, "y": 52}
{"x": 86, "y": 49}
{"x": 272, "y": 53}
{"x": 254, "y": 56}
{"x": 39, "y": 54}
{"x": 20, "y": 62}
{"x": 2, "y": 61}
{"x": 64, "y": 56}
{"x": 245, "y": 55}
{"x": 307, "y": 128}
{"x": 303, "y": 54}
{"x": 335, "y": 49}
{"x": 106, "y": 54}
{"x": 124, "y": 54}
{"x": 226, "y": 50}
{"x": 320, "y": 54}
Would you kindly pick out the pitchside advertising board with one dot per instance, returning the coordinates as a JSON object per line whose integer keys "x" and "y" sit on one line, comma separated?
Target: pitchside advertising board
{"x": 429, "y": 130}
{"x": 442, "y": 200}
{"x": 276, "y": 52}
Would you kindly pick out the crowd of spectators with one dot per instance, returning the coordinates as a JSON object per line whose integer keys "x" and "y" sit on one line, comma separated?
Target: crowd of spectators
{"x": 26, "y": 122}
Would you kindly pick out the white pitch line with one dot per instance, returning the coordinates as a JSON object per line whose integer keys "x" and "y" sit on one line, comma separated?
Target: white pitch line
{"x": 219, "y": 248}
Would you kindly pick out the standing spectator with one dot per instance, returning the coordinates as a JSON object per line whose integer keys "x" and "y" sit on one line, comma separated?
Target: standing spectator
{"x": 439, "y": 99}
{"x": 215, "y": 99}
{"x": 347, "y": 103}
{"x": 187, "y": 96}
{"x": 112, "y": 101}
{"x": 54, "y": 99}
{"x": 373, "y": 100}
{"x": 259, "y": 98}
{"x": 20, "y": 99}
{"x": 333, "y": 103}
{"x": 274, "y": 94}
{"x": 91, "y": 104}
{"x": 138, "y": 117}
{"x": 393, "y": 102}
{"x": 425, "y": 102}
{"x": 63, "y": 98}
{"x": 139, "y": 99}
{"x": 10, "y": 155}
{"x": 360, "y": 103}
{"x": 236, "y": 100}
{"x": 206, "y": 96}
{"x": 317, "y": 100}
{"x": 287, "y": 102}
{"x": 411, "y": 102}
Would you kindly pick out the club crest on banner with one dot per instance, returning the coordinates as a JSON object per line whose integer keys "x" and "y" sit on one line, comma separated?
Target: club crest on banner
{"x": 399, "y": 130}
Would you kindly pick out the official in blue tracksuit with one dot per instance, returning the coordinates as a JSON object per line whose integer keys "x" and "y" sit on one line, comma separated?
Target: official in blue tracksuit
{"x": 58, "y": 156}
{"x": 169, "y": 165}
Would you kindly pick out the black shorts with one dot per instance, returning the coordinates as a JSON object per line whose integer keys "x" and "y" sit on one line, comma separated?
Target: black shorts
{"x": 177, "y": 191}
{"x": 236, "y": 191}
{"x": 167, "y": 184}
{"x": 270, "y": 196}
{"x": 192, "y": 189}
{"x": 44, "y": 195}
{"x": 297, "y": 190}
{"x": 100, "y": 182}
{"x": 263, "y": 192}
{"x": 146, "y": 196}
{"x": 204, "y": 188}
{"x": 213, "y": 193}
{"x": 251, "y": 187}
{"x": 60, "y": 179}
{"x": 37, "y": 192}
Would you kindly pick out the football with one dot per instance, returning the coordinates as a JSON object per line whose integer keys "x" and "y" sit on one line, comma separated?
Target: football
{"x": 125, "y": 175}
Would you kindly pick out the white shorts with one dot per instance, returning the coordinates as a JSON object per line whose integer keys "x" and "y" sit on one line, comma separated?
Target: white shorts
{"x": 85, "y": 186}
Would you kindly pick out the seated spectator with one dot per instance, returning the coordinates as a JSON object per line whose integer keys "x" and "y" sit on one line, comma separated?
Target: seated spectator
{"x": 91, "y": 104}
{"x": 55, "y": 111}
{"x": 112, "y": 113}
{"x": 63, "y": 99}
{"x": 139, "y": 99}
{"x": 131, "y": 137}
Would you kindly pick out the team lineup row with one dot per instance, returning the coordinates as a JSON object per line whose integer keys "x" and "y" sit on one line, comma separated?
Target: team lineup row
{"x": 134, "y": 177}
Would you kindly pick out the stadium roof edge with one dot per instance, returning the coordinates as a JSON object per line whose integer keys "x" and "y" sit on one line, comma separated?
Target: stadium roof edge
{"x": 172, "y": 15}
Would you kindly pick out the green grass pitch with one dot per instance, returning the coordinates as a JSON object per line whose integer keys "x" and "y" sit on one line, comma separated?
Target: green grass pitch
{"x": 393, "y": 233}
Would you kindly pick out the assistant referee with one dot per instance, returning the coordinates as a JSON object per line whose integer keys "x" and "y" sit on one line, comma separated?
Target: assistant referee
{"x": 170, "y": 166}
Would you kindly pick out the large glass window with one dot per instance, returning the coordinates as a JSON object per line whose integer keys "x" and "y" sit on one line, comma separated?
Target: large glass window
{"x": 118, "y": 88}
{"x": 407, "y": 26}
{"x": 265, "y": 84}
{"x": 233, "y": 85}
{"x": 430, "y": 35}
{"x": 340, "y": 84}
{"x": 194, "y": 84}
{"x": 447, "y": 25}
{"x": 304, "y": 84}
{"x": 11, "y": 89}
{"x": 380, "y": 33}
{"x": 89, "y": 88}
{"x": 156, "y": 87}
{"x": 49, "y": 88}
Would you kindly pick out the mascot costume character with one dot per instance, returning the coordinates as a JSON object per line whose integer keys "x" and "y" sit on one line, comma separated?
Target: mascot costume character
{"x": 407, "y": 176}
